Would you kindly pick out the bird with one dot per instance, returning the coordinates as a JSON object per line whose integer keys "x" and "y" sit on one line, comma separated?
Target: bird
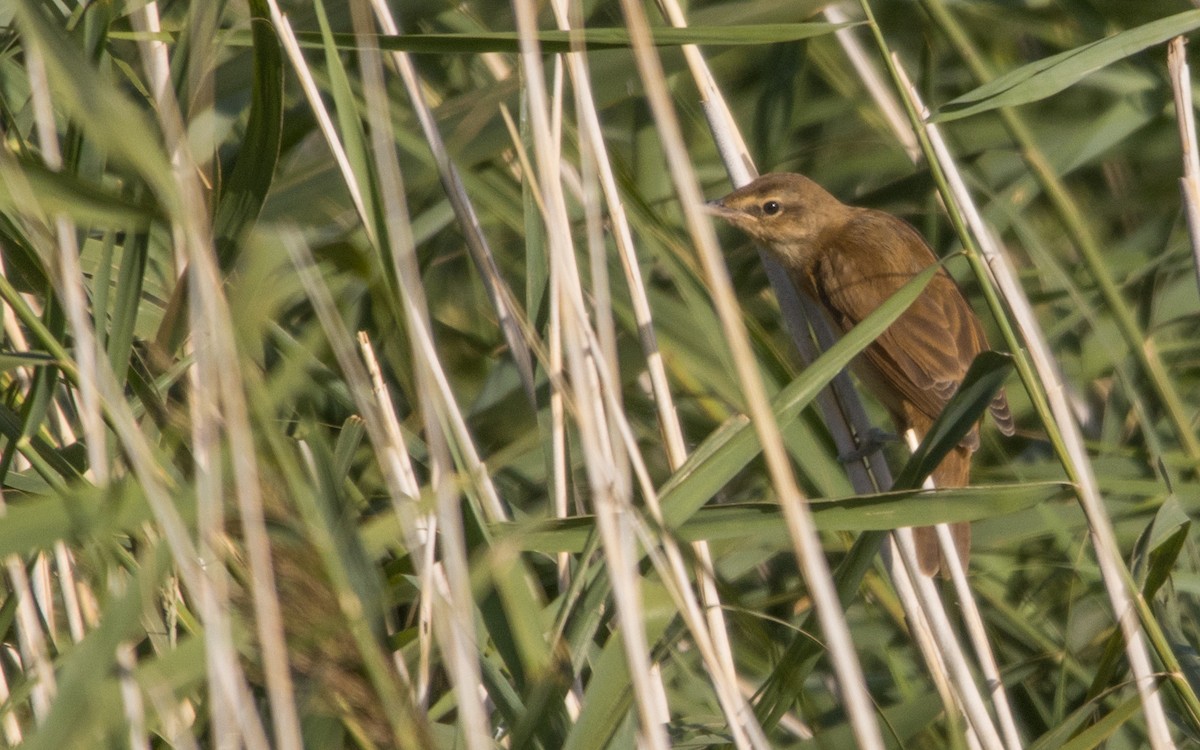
{"x": 850, "y": 260}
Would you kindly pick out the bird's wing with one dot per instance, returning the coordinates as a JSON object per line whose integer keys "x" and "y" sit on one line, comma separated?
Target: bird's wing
{"x": 924, "y": 354}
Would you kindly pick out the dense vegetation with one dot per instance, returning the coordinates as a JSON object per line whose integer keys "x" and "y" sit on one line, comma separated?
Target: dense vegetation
{"x": 373, "y": 390}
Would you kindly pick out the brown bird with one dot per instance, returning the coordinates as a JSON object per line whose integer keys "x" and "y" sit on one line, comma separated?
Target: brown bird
{"x": 850, "y": 260}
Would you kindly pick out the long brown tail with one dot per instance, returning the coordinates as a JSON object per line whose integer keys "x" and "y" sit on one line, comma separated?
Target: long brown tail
{"x": 953, "y": 471}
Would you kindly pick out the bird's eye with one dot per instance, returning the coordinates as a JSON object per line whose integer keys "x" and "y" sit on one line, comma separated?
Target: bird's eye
{"x": 770, "y": 208}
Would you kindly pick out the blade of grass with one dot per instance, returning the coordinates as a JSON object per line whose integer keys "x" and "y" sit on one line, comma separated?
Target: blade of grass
{"x": 246, "y": 188}
{"x": 556, "y": 42}
{"x": 1048, "y": 76}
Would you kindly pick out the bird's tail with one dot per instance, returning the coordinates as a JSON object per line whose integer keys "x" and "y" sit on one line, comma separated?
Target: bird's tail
{"x": 953, "y": 471}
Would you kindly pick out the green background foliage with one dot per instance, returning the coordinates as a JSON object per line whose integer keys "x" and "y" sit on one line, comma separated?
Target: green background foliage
{"x": 183, "y": 408}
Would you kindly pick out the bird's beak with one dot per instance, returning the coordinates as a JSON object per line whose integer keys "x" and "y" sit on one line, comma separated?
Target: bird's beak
{"x": 717, "y": 208}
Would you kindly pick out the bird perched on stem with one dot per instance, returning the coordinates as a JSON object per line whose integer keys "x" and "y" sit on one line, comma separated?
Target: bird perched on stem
{"x": 850, "y": 260}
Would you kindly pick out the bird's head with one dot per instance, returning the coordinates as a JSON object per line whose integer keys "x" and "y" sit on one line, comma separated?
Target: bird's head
{"x": 783, "y": 212}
